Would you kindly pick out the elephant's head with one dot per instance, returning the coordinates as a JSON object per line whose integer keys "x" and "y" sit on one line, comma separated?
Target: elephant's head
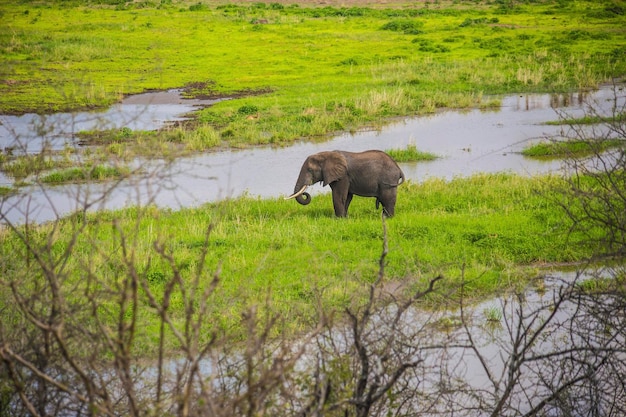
{"x": 327, "y": 167}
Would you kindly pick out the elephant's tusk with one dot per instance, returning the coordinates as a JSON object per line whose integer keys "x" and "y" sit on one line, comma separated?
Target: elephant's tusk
{"x": 294, "y": 195}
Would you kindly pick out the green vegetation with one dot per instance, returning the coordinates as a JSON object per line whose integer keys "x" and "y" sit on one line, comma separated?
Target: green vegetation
{"x": 410, "y": 154}
{"x": 493, "y": 314}
{"x": 488, "y": 230}
{"x": 23, "y": 166}
{"x": 109, "y": 136}
{"x": 297, "y": 71}
{"x": 170, "y": 142}
{"x": 600, "y": 285}
{"x": 571, "y": 148}
{"x": 84, "y": 174}
{"x": 589, "y": 120}
{"x": 59, "y": 167}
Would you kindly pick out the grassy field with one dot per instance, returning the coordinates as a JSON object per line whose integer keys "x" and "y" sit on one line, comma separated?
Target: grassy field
{"x": 299, "y": 71}
{"x": 490, "y": 231}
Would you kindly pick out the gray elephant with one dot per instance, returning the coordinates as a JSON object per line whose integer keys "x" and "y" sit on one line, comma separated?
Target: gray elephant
{"x": 368, "y": 174}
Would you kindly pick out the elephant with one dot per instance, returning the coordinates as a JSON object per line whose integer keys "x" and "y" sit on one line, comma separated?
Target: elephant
{"x": 371, "y": 173}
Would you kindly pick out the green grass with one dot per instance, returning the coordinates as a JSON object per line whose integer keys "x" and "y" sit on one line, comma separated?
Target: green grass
{"x": 493, "y": 314}
{"x": 84, "y": 174}
{"x": 599, "y": 285}
{"x": 589, "y": 120}
{"x": 166, "y": 143}
{"x": 60, "y": 167}
{"x": 571, "y": 148}
{"x": 109, "y": 136}
{"x": 21, "y": 167}
{"x": 410, "y": 154}
{"x": 489, "y": 230}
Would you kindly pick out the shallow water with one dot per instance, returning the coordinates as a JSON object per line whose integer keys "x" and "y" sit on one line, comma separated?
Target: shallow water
{"x": 148, "y": 111}
{"x": 467, "y": 142}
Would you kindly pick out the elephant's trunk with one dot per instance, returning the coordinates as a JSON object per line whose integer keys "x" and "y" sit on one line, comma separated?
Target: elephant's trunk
{"x": 300, "y": 196}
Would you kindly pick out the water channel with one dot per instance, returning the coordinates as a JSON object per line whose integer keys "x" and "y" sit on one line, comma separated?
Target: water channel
{"x": 466, "y": 142}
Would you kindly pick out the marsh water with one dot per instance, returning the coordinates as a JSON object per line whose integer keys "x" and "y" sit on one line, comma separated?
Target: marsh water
{"x": 466, "y": 142}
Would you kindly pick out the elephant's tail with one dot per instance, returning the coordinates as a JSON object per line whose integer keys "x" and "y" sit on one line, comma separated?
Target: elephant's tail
{"x": 401, "y": 179}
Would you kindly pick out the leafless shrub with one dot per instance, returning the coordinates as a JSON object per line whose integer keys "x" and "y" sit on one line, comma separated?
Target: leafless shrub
{"x": 595, "y": 200}
{"x": 74, "y": 308}
{"x": 562, "y": 353}
{"x": 553, "y": 354}
{"x": 78, "y": 346}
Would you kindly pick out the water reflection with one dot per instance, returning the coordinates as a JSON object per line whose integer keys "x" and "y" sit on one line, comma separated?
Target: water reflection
{"x": 526, "y": 102}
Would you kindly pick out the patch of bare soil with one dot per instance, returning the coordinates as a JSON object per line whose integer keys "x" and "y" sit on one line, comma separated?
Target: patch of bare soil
{"x": 206, "y": 91}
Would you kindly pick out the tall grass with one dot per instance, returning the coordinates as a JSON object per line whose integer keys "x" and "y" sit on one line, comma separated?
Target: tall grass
{"x": 23, "y": 166}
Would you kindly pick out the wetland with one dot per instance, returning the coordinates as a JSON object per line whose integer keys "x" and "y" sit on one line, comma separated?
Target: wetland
{"x": 173, "y": 255}
{"x": 464, "y": 143}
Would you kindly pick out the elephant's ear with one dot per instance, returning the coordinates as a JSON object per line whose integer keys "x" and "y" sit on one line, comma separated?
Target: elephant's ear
{"x": 335, "y": 167}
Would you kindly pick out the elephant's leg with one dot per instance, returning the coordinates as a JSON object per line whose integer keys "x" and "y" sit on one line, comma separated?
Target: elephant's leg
{"x": 339, "y": 203}
{"x": 388, "y": 200}
{"x": 348, "y": 201}
{"x": 340, "y": 199}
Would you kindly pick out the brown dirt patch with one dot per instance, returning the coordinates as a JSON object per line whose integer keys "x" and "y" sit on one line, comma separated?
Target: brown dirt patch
{"x": 206, "y": 90}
